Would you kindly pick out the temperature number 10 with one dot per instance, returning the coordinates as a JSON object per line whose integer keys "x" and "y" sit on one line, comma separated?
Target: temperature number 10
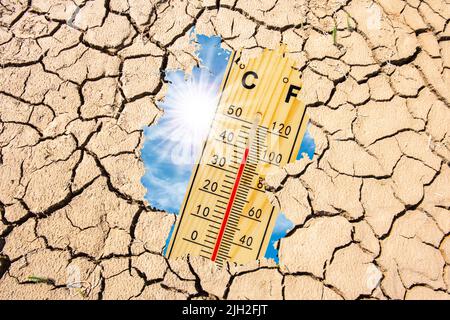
{"x": 204, "y": 212}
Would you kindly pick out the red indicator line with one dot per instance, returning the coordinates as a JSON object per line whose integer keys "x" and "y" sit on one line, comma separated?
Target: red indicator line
{"x": 230, "y": 205}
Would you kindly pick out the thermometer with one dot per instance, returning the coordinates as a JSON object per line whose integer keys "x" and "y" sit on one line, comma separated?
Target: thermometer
{"x": 257, "y": 128}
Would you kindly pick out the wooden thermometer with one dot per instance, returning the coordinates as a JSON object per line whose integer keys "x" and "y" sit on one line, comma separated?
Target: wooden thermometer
{"x": 258, "y": 127}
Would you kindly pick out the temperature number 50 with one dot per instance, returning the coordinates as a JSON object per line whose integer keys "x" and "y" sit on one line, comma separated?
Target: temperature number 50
{"x": 234, "y": 111}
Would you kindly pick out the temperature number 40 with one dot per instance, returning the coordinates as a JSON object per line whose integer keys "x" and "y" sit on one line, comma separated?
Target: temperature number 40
{"x": 227, "y": 136}
{"x": 247, "y": 241}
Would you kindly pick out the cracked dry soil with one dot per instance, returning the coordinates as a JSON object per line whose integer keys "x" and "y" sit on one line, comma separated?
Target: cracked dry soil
{"x": 80, "y": 79}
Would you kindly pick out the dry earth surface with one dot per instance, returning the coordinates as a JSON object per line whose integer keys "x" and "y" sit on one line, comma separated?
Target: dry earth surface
{"x": 79, "y": 80}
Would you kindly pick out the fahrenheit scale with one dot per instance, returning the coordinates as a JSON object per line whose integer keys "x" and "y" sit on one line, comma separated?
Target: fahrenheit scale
{"x": 258, "y": 127}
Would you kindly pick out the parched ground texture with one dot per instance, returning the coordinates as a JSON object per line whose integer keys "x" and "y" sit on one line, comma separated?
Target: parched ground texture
{"x": 79, "y": 80}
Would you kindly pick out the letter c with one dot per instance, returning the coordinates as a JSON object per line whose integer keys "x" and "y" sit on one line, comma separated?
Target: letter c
{"x": 244, "y": 77}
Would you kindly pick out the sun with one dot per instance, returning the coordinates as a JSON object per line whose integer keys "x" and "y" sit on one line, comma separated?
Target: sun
{"x": 189, "y": 109}
{"x": 192, "y": 107}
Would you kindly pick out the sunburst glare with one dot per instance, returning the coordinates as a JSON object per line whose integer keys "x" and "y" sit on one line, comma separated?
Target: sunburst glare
{"x": 188, "y": 112}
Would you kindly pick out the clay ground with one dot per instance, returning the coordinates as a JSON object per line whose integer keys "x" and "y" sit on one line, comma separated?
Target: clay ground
{"x": 78, "y": 83}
